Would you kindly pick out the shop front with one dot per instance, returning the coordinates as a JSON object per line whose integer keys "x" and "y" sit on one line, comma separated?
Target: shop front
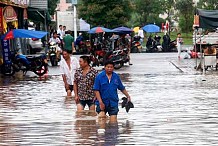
{"x": 12, "y": 16}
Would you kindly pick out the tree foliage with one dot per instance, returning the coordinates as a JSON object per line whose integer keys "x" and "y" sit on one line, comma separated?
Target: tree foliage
{"x": 186, "y": 13}
{"x": 147, "y": 9}
{"x": 106, "y": 13}
{"x": 208, "y": 4}
{"x": 52, "y": 4}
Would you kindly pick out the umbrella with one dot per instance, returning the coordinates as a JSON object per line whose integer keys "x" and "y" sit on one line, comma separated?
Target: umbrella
{"x": 151, "y": 28}
{"x": 136, "y": 29}
{"x": 23, "y": 33}
{"x": 99, "y": 30}
{"x": 122, "y": 29}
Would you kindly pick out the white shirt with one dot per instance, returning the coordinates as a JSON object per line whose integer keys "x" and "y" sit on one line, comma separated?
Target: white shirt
{"x": 56, "y": 40}
{"x": 141, "y": 33}
{"x": 60, "y": 32}
{"x": 64, "y": 69}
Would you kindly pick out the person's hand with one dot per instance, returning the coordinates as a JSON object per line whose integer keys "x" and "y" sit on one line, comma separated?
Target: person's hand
{"x": 76, "y": 99}
{"x": 102, "y": 106}
{"x": 128, "y": 99}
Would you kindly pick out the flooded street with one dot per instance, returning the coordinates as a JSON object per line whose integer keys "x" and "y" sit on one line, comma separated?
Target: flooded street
{"x": 172, "y": 107}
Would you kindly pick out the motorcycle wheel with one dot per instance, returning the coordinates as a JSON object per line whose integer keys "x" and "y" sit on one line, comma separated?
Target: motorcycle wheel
{"x": 134, "y": 50}
{"x": 53, "y": 61}
{"x": 118, "y": 65}
{"x": 41, "y": 70}
{"x": 8, "y": 70}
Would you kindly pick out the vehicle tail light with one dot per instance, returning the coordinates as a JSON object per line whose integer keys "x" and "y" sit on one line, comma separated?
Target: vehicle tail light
{"x": 35, "y": 39}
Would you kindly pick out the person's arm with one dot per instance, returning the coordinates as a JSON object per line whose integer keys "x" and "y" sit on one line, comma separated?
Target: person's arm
{"x": 96, "y": 89}
{"x": 65, "y": 82}
{"x": 75, "y": 89}
{"x": 122, "y": 89}
{"x": 126, "y": 94}
{"x": 98, "y": 96}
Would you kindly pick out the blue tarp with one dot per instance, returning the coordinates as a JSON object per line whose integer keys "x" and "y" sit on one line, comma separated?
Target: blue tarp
{"x": 23, "y": 33}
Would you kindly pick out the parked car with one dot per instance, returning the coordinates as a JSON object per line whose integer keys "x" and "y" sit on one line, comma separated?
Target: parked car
{"x": 34, "y": 45}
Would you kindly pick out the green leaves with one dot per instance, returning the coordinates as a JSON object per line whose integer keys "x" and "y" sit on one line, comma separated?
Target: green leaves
{"x": 105, "y": 13}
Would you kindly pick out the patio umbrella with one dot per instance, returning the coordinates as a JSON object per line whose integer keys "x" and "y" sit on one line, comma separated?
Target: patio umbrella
{"x": 23, "y": 33}
{"x": 99, "y": 30}
{"x": 122, "y": 29}
{"x": 151, "y": 28}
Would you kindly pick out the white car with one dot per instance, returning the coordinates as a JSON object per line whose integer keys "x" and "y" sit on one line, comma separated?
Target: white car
{"x": 35, "y": 45}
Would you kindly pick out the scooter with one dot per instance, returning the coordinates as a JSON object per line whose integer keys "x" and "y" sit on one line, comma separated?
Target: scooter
{"x": 19, "y": 62}
{"x": 52, "y": 53}
{"x": 136, "y": 45}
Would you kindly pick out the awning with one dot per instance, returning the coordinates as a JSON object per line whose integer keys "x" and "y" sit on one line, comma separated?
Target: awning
{"x": 208, "y": 18}
{"x": 38, "y": 15}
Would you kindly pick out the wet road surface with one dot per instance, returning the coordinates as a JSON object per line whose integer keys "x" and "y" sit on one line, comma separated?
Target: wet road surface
{"x": 172, "y": 107}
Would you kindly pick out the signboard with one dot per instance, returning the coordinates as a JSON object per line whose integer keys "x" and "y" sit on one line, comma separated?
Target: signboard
{"x": 6, "y": 51}
{"x": 1, "y": 19}
{"x": 74, "y": 2}
{"x": 10, "y": 14}
{"x": 20, "y": 2}
{"x": 41, "y": 4}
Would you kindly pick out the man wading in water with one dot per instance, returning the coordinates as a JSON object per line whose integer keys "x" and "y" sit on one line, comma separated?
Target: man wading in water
{"x": 68, "y": 67}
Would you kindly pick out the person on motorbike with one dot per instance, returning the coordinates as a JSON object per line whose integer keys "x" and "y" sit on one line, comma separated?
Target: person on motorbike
{"x": 55, "y": 39}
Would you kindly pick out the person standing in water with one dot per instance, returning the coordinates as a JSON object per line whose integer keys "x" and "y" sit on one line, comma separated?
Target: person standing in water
{"x": 83, "y": 84}
{"x": 68, "y": 66}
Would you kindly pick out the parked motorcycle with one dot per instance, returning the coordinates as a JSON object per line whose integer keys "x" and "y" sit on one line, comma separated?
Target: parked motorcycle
{"x": 52, "y": 54}
{"x": 118, "y": 57}
{"x": 136, "y": 45}
{"x": 35, "y": 63}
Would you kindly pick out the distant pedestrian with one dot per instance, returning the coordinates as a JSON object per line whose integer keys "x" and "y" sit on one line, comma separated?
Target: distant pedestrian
{"x": 179, "y": 42}
{"x": 166, "y": 42}
{"x": 141, "y": 34}
{"x": 60, "y": 31}
{"x": 68, "y": 42}
{"x": 106, "y": 85}
{"x": 83, "y": 84}
{"x": 68, "y": 66}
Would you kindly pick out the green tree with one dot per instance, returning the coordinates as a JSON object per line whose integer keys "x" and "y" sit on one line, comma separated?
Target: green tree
{"x": 168, "y": 6}
{"x": 106, "y": 13}
{"x": 186, "y": 14}
{"x": 52, "y": 4}
{"x": 147, "y": 9}
{"x": 208, "y": 4}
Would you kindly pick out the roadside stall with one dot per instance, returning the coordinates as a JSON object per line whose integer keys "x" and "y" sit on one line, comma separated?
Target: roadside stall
{"x": 206, "y": 37}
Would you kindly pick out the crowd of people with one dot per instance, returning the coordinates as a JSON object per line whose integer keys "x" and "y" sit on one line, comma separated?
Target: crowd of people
{"x": 96, "y": 90}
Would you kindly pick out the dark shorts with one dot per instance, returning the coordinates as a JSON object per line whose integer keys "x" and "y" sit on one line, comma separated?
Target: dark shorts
{"x": 86, "y": 102}
{"x": 109, "y": 110}
{"x": 71, "y": 88}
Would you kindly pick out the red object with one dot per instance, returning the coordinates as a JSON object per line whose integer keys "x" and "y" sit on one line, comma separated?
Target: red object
{"x": 100, "y": 53}
{"x": 10, "y": 35}
{"x": 1, "y": 19}
{"x": 162, "y": 26}
{"x": 194, "y": 54}
{"x": 167, "y": 26}
{"x": 99, "y": 30}
{"x": 34, "y": 39}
